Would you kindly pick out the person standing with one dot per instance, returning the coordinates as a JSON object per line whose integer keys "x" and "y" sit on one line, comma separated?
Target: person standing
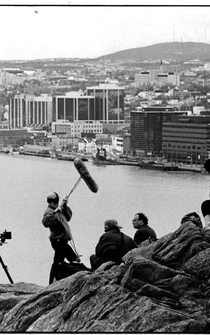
{"x": 56, "y": 219}
{"x": 144, "y": 231}
{"x": 112, "y": 245}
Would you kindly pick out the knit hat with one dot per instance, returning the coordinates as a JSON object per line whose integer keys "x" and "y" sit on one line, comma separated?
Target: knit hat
{"x": 112, "y": 223}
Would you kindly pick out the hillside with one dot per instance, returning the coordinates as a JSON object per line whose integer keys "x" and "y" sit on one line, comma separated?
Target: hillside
{"x": 177, "y": 51}
{"x": 160, "y": 287}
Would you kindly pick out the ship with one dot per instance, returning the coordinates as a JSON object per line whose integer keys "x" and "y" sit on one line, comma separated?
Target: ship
{"x": 35, "y": 150}
{"x": 154, "y": 165}
{"x": 70, "y": 156}
{"x": 101, "y": 158}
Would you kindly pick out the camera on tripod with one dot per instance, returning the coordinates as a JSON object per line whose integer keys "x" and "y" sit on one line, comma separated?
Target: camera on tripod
{"x": 6, "y": 235}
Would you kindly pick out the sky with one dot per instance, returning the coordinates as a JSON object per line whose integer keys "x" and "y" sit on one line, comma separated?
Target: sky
{"x": 85, "y": 29}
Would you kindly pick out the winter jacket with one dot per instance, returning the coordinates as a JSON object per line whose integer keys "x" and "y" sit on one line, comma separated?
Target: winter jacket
{"x": 57, "y": 222}
{"x": 144, "y": 233}
{"x": 113, "y": 245}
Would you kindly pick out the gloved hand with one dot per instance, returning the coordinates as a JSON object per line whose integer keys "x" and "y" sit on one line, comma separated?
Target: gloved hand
{"x": 64, "y": 202}
{"x": 78, "y": 260}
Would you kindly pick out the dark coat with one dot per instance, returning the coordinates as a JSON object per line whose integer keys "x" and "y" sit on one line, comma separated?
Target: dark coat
{"x": 113, "y": 245}
{"x": 144, "y": 233}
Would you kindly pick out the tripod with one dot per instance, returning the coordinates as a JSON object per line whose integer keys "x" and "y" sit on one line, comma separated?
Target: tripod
{"x": 6, "y": 271}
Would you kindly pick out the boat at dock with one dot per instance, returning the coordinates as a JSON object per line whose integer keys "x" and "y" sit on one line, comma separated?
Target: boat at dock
{"x": 153, "y": 165}
{"x": 70, "y": 156}
{"x": 35, "y": 150}
{"x": 101, "y": 158}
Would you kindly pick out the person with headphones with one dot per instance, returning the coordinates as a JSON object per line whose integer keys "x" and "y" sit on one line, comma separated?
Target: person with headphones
{"x": 56, "y": 219}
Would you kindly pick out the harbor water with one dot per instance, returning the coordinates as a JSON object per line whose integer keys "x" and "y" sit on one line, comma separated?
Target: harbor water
{"x": 165, "y": 197}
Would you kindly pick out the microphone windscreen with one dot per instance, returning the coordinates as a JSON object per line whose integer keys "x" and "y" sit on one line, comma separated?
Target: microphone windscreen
{"x": 83, "y": 171}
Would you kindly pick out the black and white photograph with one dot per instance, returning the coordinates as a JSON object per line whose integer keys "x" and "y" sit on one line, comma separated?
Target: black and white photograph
{"x": 105, "y": 167}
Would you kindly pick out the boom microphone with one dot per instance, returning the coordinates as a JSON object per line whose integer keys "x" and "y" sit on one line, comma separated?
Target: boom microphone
{"x": 83, "y": 171}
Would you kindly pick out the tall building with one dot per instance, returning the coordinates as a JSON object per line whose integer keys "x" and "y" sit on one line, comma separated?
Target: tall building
{"x": 186, "y": 139}
{"x": 30, "y": 111}
{"x": 103, "y": 104}
{"x": 73, "y": 107}
{"x": 146, "y": 129}
{"x": 109, "y": 103}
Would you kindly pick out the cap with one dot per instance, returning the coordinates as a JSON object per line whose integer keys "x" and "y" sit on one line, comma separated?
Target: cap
{"x": 112, "y": 223}
{"x": 53, "y": 196}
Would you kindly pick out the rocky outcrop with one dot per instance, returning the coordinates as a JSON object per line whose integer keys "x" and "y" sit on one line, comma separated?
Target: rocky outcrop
{"x": 163, "y": 286}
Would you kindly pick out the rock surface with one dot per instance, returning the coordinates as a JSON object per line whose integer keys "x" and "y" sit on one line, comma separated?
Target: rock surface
{"x": 163, "y": 286}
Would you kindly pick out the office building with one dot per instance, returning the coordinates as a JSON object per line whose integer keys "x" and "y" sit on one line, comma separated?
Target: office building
{"x": 73, "y": 107}
{"x": 155, "y": 76}
{"x": 146, "y": 77}
{"x": 146, "y": 129}
{"x": 186, "y": 139}
{"x": 109, "y": 103}
{"x": 172, "y": 78}
{"x": 29, "y": 111}
{"x": 77, "y": 128}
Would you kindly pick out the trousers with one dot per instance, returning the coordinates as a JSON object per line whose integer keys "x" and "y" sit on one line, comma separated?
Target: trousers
{"x": 62, "y": 250}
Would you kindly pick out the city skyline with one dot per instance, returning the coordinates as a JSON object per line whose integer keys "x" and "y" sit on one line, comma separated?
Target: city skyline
{"x": 77, "y": 31}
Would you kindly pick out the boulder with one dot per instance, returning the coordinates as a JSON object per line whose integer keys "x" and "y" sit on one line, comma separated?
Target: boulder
{"x": 162, "y": 286}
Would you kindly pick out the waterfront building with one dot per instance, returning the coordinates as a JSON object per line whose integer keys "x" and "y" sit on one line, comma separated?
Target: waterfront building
{"x": 77, "y": 128}
{"x": 15, "y": 138}
{"x": 146, "y": 129}
{"x": 109, "y": 103}
{"x": 29, "y": 111}
{"x": 64, "y": 141}
{"x": 186, "y": 139}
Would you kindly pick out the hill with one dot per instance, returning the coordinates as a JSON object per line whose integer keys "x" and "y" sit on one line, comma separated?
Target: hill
{"x": 176, "y": 51}
{"x": 161, "y": 287}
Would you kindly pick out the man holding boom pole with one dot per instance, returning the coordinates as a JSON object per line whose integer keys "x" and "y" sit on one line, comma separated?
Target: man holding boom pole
{"x": 56, "y": 219}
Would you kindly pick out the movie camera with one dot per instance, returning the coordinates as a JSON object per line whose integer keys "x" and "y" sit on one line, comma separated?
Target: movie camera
{"x": 6, "y": 235}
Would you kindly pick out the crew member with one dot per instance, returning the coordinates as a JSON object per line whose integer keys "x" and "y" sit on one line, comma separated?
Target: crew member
{"x": 112, "y": 245}
{"x": 56, "y": 219}
{"x": 144, "y": 231}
